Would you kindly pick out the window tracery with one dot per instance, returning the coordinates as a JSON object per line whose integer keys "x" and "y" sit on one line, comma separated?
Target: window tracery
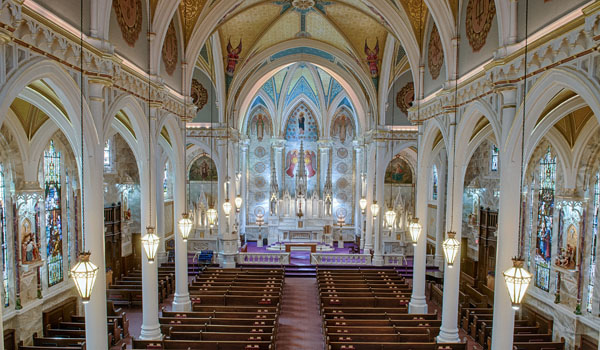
{"x": 592, "y": 267}
{"x": 434, "y": 183}
{"x": 543, "y": 245}
{"x": 53, "y": 197}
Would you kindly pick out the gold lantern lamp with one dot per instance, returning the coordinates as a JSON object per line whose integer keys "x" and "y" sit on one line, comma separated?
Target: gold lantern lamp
{"x": 150, "y": 243}
{"x": 415, "y": 228}
{"x": 185, "y": 226}
{"x": 375, "y": 209}
{"x": 238, "y": 203}
{"x": 517, "y": 281}
{"x": 211, "y": 215}
{"x": 227, "y": 207}
{"x": 363, "y": 204}
{"x": 390, "y": 217}
{"x": 84, "y": 275}
{"x": 451, "y": 247}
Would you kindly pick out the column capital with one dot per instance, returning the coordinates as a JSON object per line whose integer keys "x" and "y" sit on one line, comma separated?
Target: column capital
{"x": 277, "y": 143}
{"x": 324, "y": 144}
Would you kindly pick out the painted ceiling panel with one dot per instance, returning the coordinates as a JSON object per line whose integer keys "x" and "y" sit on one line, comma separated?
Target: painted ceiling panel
{"x": 31, "y": 117}
{"x": 286, "y": 27}
{"x": 320, "y": 28}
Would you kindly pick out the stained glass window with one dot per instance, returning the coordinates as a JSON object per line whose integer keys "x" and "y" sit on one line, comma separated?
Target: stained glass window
{"x": 434, "y": 183}
{"x": 543, "y": 246}
{"x": 592, "y": 267}
{"x": 4, "y": 236}
{"x": 166, "y": 179}
{"x": 107, "y": 150}
{"x": 68, "y": 223}
{"x": 52, "y": 186}
{"x": 530, "y": 228}
{"x": 494, "y": 162}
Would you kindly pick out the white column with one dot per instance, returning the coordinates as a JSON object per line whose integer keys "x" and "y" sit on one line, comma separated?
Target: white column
{"x": 358, "y": 192}
{"x": 440, "y": 216}
{"x": 370, "y": 196}
{"x": 227, "y": 242}
{"x": 324, "y": 147}
{"x": 243, "y": 186}
{"x": 161, "y": 255}
{"x": 508, "y": 230}
{"x": 449, "y": 328}
{"x": 150, "y": 326}
{"x": 418, "y": 304}
{"x": 181, "y": 299}
{"x": 95, "y": 309}
{"x": 379, "y": 188}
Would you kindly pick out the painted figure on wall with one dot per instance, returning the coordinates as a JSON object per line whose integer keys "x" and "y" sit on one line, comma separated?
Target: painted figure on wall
{"x": 309, "y": 161}
{"x": 373, "y": 58}
{"x": 30, "y": 249}
{"x": 203, "y": 169}
{"x": 233, "y": 56}
{"x": 342, "y": 128}
{"x": 260, "y": 126}
{"x": 291, "y": 159}
{"x": 301, "y": 124}
{"x": 398, "y": 172}
{"x": 301, "y": 120}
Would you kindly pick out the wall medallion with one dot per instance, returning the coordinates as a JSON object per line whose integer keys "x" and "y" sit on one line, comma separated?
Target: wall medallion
{"x": 259, "y": 182}
{"x": 479, "y": 17}
{"x": 129, "y": 17}
{"x": 259, "y": 167}
{"x": 342, "y": 197}
{"x": 342, "y": 153}
{"x": 435, "y": 53}
{"x": 259, "y": 152}
{"x": 342, "y": 168}
{"x": 341, "y": 184}
{"x": 169, "y": 50}
{"x": 259, "y": 196}
{"x": 199, "y": 94}
{"x": 405, "y": 97}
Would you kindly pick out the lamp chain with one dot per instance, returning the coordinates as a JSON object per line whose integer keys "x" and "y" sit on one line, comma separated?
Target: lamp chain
{"x": 81, "y": 116}
{"x": 457, "y": 27}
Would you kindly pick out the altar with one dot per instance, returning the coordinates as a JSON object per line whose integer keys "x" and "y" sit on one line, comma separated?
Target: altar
{"x": 302, "y": 246}
{"x": 301, "y": 235}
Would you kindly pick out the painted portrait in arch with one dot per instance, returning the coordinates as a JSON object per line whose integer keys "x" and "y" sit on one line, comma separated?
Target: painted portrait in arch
{"x": 398, "y": 172}
{"x": 342, "y": 128}
{"x": 203, "y": 169}
{"x": 301, "y": 125}
{"x": 260, "y": 125}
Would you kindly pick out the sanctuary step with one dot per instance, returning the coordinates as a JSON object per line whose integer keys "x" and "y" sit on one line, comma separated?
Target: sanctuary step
{"x": 300, "y": 271}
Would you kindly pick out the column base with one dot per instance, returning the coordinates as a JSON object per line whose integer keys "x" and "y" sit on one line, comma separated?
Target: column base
{"x": 151, "y": 332}
{"x": 417, "y": 305}
{"x": 448, "y": 336}
{"x": 377, "y": 260}
{"x": 181, "y": 302}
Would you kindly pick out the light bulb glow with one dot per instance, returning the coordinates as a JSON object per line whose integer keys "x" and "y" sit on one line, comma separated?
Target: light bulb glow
{"x": 227, "y": 207}
{"x": 375, "y": 209}
{"x": 185, "y": 226}
{"x": 363, "y": 204}
{"x": 150, "y": 243}
{"x": 84, "y": 275}
{"x": 211, "y": 215}
{"x": 517, "y": 281}
{"x": 451, "y": 247}
{"x": 415, "y": 230}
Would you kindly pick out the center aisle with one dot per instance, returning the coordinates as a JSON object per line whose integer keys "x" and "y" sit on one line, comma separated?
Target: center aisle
{"x": 299, "y": 320}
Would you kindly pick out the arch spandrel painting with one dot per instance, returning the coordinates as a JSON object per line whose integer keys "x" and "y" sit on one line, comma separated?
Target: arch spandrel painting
{"x": 129, "y": 17}
{"x": 342, "y": 128}
{"x": 260, "y": 125}
{"x": 301, "y": 125}
{"x": 203, "y": 169}
{"x": 398, "y": 172}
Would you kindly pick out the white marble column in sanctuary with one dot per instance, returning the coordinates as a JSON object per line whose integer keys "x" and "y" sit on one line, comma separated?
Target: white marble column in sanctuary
{"x": 161, "y": 254}
{"x": 278, "y": 145}
{"x": 227, "y": 241}
{"x": 380, "y": 191}
{"x": 508, "y": 228}
{"x": 181, "y": 299}
{"x": 95, "y": 309}
{"x": 418, "y": 304}
{"x": 243, "y": 183}
{"x": 324, "y": 150}
{"x": 371, "y": 150}
{"x": 449, "y": 328}
{"x": 440, "y": 216}
{"x": 150, "y": 325}
{"x": 358, "y": 229}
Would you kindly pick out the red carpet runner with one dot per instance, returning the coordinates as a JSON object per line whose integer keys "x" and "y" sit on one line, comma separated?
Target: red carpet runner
{"x": 299, "y": 322}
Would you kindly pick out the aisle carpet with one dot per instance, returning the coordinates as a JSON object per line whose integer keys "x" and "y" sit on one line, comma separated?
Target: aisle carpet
{"x": 299, "y": 320}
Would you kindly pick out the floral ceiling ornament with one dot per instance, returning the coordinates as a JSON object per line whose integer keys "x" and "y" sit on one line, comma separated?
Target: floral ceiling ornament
{"x": 199, "y": 94}
{"x": 129, "y": 17}
{"x": 478, "y": 22}
{"x": 169, "y": 50}
{"x": 405, "y": 97}
{"x": 435, "y": 53}
{"x": 303, "y": 4}
{"x": 189, "y": 11}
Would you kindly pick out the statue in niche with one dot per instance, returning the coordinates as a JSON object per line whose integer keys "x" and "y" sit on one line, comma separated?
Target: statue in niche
{"x": 30, "y": 248}
{"x": 260, "y": 126}
{"x": 301, "y": 120}
{"x": 273, "y": 204}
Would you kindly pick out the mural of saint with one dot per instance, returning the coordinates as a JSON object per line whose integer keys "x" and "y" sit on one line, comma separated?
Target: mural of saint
{"x": 398, "y": 172}
{"x": 30, "y": 249}
{"x": 203, "y": 169}
{"x": 309, "y": 161}
{"x": 301, "y": 124}
{"x": 233, "y": 56}
{"x": 342, "y": 128}
{"x": 260, "y": 126}
{"x": 301, "y": 120}
{"x": 291, "y": 159}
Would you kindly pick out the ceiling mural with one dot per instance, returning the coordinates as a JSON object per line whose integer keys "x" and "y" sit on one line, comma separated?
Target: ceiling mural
{"x": 129, "y": 17}
{"x": 417, "y": 13}
{"x": 189, "y": 12}
{"x": 478, "y": 22}
{"x": 435, "y": 53}
{"x": 169, "y": 50}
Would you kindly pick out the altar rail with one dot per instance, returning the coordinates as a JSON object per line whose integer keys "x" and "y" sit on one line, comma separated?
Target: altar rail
{"x": 340, "y": 259}
{"x": 394, "y": 260}
{"x": 263, "y": 258}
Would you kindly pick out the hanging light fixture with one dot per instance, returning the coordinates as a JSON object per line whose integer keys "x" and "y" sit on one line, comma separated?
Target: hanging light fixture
{"x": 414, "y": 228}
{"x": 211, "y": 215}
{"x": 150, "y": 240}
{"x": 238, "y": 203}
{"x": 390, "y": 214}
{"x": 227, "y": 207}
{"x": 150, "y": 243}
{"x": 185, "y": 226}
{"x": 390, "y": 217}
{"x": 375, "y": 208}
{"x": 84, "y": 272}
{"x": 517, "y": 278}
{"x": 363, "y": 204}
{"x": 451, "y": 247}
